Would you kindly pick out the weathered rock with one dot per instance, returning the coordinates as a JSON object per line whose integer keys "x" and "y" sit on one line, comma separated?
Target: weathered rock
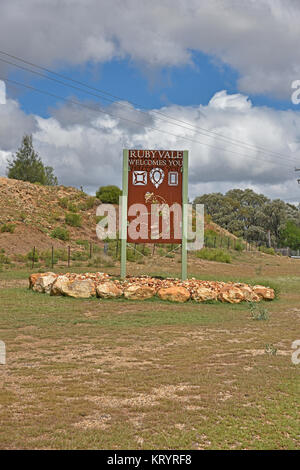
{"x": 108, "y": 290}
{"x": 84, "y": 285}
{"x": 175, "y": 294}
{"x": 201, "y": 294}
{"x": 34, "y": 277}
{"x": 44, "y": 283}
{"x": 82, "y": 289}
{"x": 248, "y": 293}
{"x": 136, "y": 292}
{"x": 56, "y": 288}
{"x": 231, "y": 294}
{"x": 263, "y": 292}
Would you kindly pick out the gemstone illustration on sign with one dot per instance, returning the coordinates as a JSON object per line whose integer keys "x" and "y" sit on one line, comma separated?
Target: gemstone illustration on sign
{"x": 139, "y": 178}
{"x": 157, "y": 176}
{"x": 173, "y": 178}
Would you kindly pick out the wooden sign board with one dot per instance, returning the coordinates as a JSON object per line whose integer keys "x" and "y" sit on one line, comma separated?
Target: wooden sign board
{"x": 155, "y": 177}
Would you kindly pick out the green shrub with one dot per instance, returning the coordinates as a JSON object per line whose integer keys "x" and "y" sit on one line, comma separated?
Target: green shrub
{"x": 73, "y": 219}
{"x": 268, "y": 251}
{"x": 8, "y": 228}
{"x": 60, "y": 233}
{"x": 214, "y": 254}
{"x": 109, "y": 194}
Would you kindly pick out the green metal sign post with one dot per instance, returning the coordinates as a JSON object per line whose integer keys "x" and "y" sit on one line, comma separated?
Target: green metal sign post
{"x": 124, "y": 214}
{"x": 184, "y": 214}
{"x": 184, "y": 223}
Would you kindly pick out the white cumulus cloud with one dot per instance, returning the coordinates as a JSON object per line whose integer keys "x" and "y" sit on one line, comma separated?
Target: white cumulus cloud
{"x": 85, "y": 147}
{"x": 259, "y": 39}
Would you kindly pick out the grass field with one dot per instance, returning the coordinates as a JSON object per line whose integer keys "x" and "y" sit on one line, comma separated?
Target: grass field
{"x": 137, "y": 375}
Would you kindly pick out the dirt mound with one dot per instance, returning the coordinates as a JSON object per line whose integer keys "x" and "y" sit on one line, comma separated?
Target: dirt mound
{"x": 37, "y": 210}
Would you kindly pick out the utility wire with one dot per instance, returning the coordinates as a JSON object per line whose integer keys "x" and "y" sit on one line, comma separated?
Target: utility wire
{"x": 98, "y": 109}
{"x": 203, "y": 131}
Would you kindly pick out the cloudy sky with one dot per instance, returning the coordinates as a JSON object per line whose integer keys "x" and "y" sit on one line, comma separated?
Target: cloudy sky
{"x": 211, "y": 77}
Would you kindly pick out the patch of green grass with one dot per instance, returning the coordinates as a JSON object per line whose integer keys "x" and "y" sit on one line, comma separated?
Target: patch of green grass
{"x": 60, "y": 233}
{"x": 258, "y": 311}
{"x": 10, "y": 228}
{"x": 73, "y": 219}
{"x": 147, "y": 374}
{"x": 214, "y": 254}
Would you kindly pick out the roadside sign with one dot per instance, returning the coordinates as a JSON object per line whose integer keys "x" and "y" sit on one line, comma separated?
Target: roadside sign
{"x": 154, "y": 177}
{"x": 154, "y": 180}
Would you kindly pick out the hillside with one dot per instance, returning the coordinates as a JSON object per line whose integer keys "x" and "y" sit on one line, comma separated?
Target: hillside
{"x": 37, "y": 210}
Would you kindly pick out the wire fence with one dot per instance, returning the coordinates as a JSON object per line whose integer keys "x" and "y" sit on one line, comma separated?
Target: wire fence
{"x": 84, "y": 253}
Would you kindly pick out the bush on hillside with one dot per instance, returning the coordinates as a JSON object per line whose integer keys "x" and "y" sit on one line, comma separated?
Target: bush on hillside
{"x": 73, "y": 219}
{"x": 109, "y": 194}
{"x": 60, "y": 233}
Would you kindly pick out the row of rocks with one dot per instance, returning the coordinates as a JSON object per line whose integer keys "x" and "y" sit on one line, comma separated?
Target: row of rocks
{"x": 140, "y": 288}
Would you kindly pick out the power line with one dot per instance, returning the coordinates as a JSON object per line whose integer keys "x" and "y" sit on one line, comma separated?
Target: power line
{"x": 98, "y": 109}
{"x": 205, "y": 132}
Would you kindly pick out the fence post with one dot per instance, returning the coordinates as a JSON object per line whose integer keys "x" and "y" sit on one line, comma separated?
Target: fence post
{"x": 153, "y": 251}
{"x": 52, "y": 256}
{"x": 33, "y": 256}
{"x": 69, "y": 255}
{"x": 91, "y": 249}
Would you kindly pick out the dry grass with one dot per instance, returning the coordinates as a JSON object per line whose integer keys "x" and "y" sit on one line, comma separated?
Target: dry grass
{"x": 124, "y": 374}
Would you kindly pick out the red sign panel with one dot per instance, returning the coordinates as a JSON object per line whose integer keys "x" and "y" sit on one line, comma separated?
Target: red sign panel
{"x": 154, "y": 178}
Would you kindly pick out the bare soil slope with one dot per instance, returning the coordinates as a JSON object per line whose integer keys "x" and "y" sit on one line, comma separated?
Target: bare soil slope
{"x": 37, "y": 210}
